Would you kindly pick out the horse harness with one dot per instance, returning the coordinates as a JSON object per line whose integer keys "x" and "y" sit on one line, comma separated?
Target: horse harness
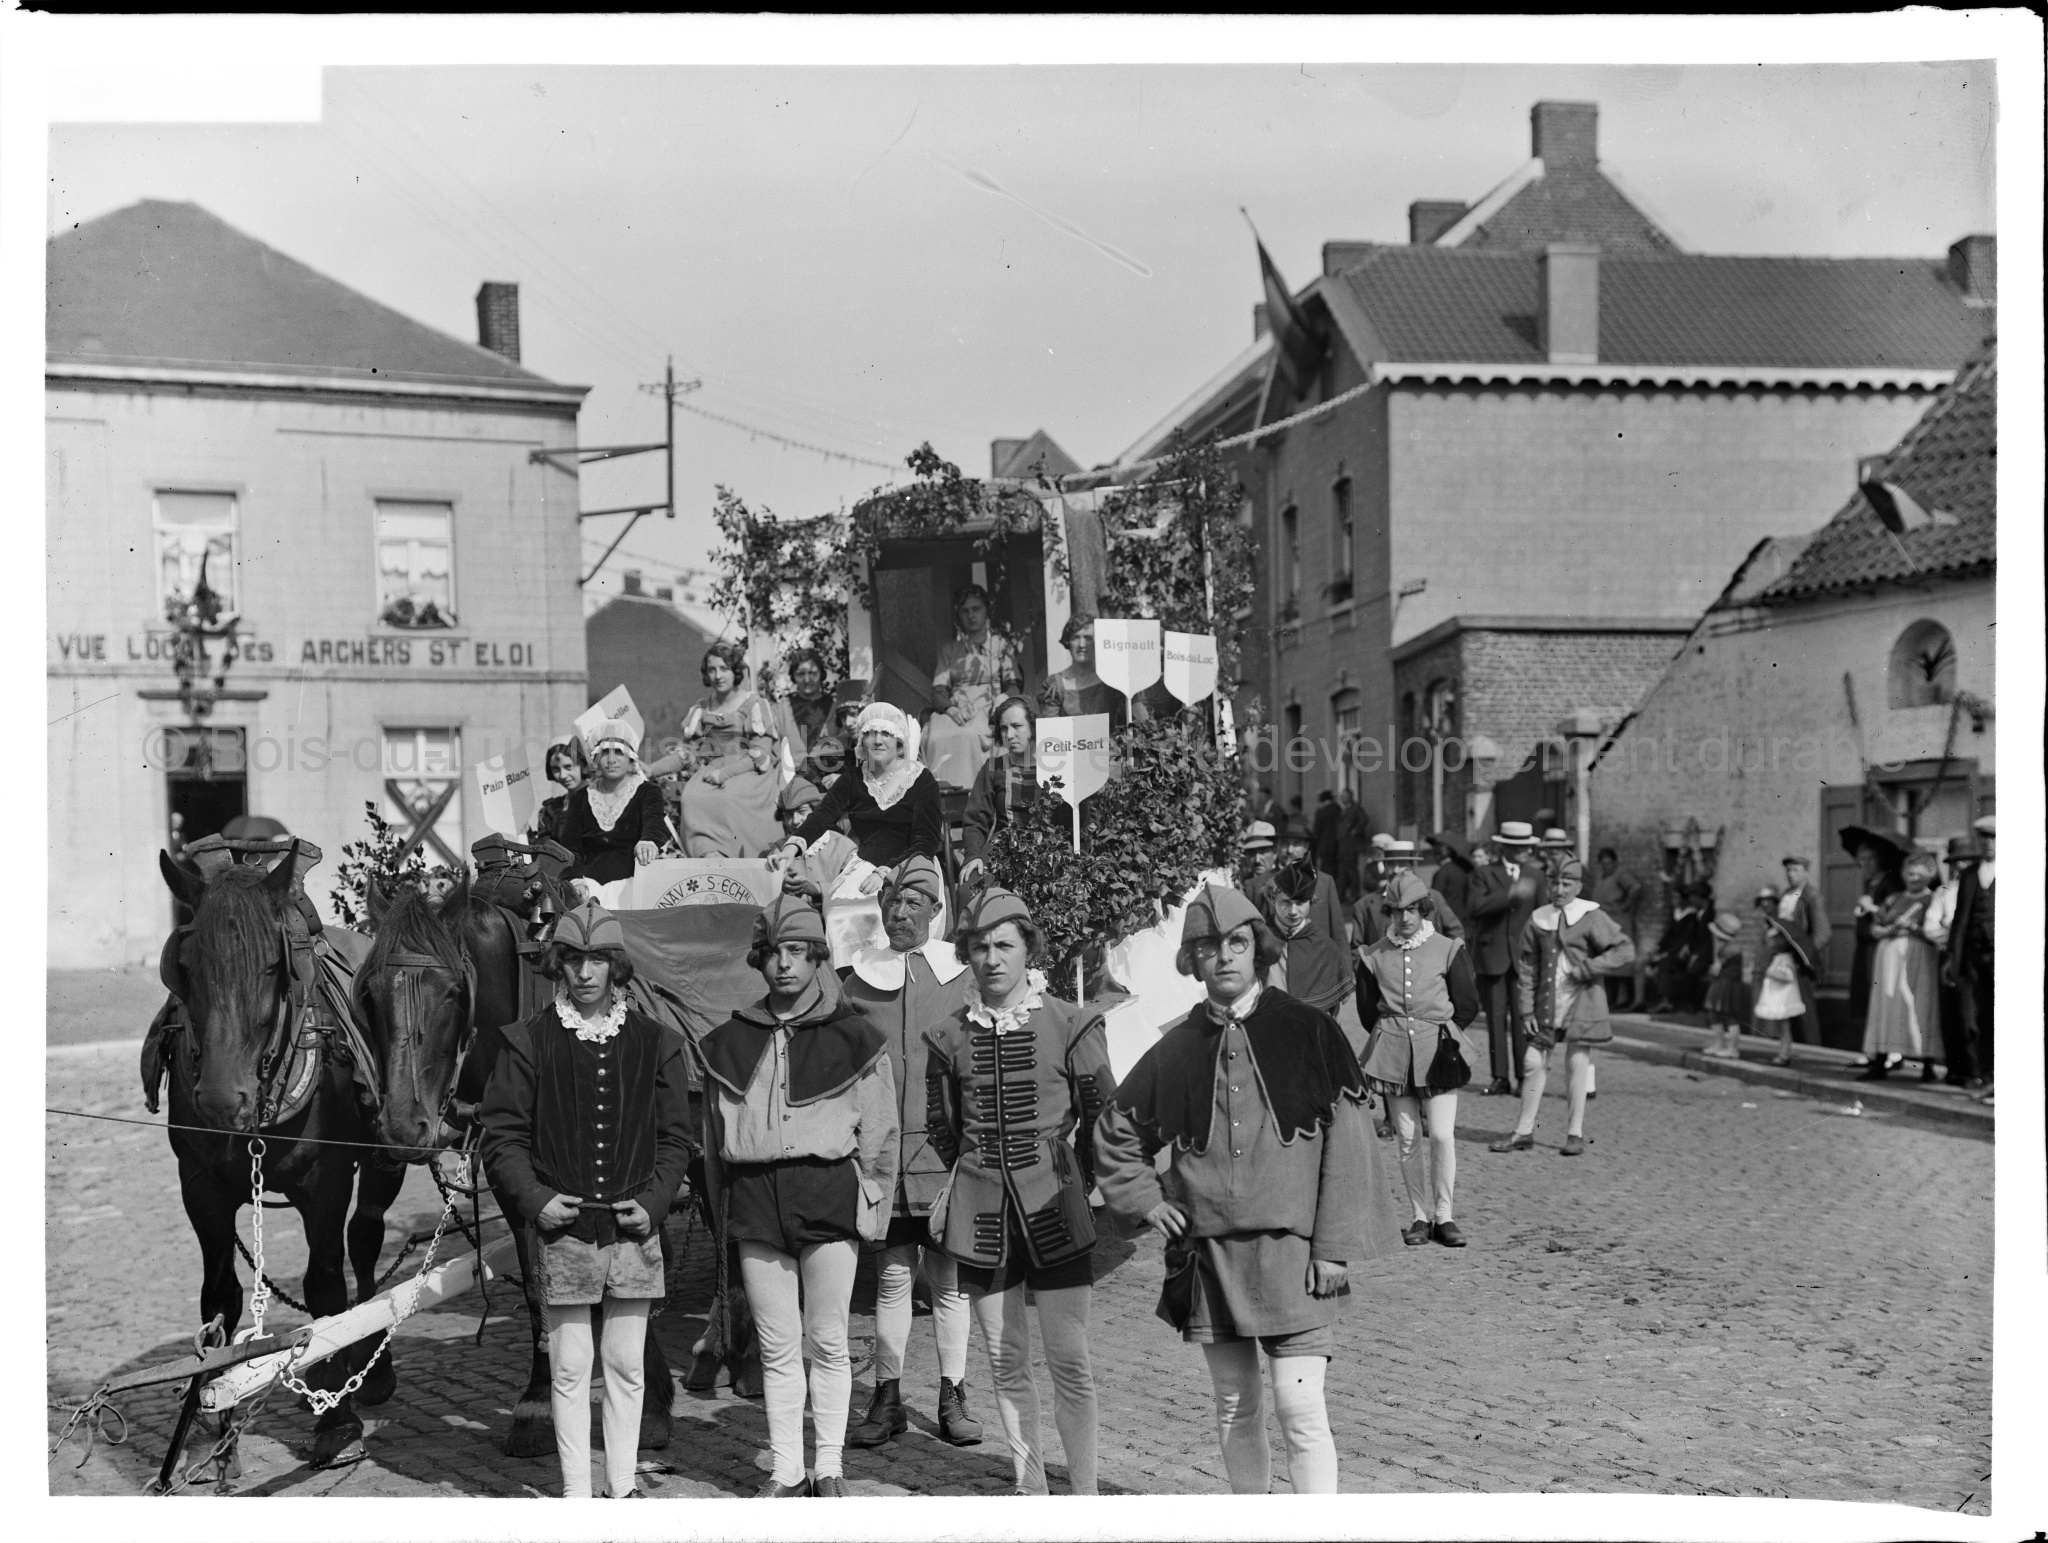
{"x": 408, "y": 965}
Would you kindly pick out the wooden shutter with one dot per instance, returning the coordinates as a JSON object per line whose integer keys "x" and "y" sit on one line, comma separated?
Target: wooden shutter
{"x": 1841, "y": 881}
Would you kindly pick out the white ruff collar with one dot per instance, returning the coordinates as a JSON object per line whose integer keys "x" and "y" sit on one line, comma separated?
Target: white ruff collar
{"x": 883, "y": 968}
{"x": 605, "y": 808}
{"x": 1574, "y": 912}
{"x": 1422, "y": 935}
{"x": 893, "y": 783}
{"x": 593, "y": 1030}
{"x": 1004, "y": 1019}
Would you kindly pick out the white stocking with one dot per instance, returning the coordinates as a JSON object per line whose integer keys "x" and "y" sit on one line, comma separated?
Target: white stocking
{"x": 1241, "y": 1415}
{"x": 1305, "y": 1422}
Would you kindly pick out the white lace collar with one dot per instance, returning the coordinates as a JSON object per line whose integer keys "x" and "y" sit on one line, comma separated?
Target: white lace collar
{"x": 593, "y": 1030}
{"x": 1004, "y": 1019}
{"x": 894, "y": 783}
{"x": 883, "y": 968}
{"x": 1422, "y": 935}
{"x": 605, "y": 808}
{"x": 1574, "y": 911}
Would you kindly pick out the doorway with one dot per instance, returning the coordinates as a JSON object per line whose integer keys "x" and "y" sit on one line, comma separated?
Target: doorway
{"x": 206, "y": 782}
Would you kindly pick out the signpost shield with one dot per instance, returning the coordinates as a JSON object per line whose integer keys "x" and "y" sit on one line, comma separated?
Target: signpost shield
{"x": 1188, "y": 665}
{"x": 1077, "y": 751}
{"x": 509, "y": 796}
{"x": 1127, "y": 653}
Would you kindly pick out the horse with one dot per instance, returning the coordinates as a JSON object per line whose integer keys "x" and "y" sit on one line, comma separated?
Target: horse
{"x": 253, "y": 1060}
{"x": 440, "y": 985}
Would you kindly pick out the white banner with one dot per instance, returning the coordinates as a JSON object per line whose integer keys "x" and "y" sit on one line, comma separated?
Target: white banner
{"x": 509, "y": 796}
{"x": 674, "y": 881}
{"x": 1188, "y": 665}
{"x": 1127, "y": 653}
{"x": 616, "y": 703}
{"x": 1077, "y": 751}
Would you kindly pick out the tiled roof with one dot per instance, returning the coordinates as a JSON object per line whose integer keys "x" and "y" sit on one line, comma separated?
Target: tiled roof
{"x": 1571, "y": 203}
{"x": 1458, "y": 304}
{"x": 169, "y": 284}
{"x": 1947, "y": 461}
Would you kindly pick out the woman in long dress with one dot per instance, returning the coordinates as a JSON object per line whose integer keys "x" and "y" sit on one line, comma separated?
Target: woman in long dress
{"x": 1905, "y": 978}
{"x": 804, "y": 716}
{"x": 976, "y": 666}
{"x": 729, "y": 801}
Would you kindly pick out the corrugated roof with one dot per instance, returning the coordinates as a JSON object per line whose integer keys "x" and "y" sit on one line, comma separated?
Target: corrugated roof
{"x": 1460, "y": 304}
{"x": 1947, "y": 461}
{"x": 161, "y": 283}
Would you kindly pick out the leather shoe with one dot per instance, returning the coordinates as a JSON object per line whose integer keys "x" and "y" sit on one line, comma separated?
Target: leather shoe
{"x": 885, "y": 1419}
{"x": 956, "y": 1425}
{"x": 1447, "y": 1233}
{"x": 1496, "y": 1089}
{"x": 1573, "y": 1146}
{"x": 1384, "y": 1131}
{"x": 1415, "y": 1232}
{"x": 1512, "y": 1143}
{"x": 774, "y": 1491}
{"x": 829, "y": 1486}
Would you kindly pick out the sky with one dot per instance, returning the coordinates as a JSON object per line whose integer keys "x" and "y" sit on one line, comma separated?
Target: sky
{"x": 865, "y": 259}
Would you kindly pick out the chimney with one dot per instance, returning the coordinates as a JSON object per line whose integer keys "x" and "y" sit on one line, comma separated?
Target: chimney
{"x": 1565, "y": 134}
{"x": 1973, "y": 268}
{"x": 663, "y": 592}
{"x": 1000, "y": 453}
{"x": 1568, "y": 303}
{"x": 1262, "y": 321}
{"x": 1429, "y": 218}
{"x": 630, "y": 581}
{"x": 497, "y": 319}
{"x": 1339, "y": 255}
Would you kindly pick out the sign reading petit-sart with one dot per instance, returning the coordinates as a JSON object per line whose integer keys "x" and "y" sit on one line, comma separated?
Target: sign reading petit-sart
{"x": 1127, "y": 653}
{"x": 1077, "y": 751}
{"x": 1188, "y": 665}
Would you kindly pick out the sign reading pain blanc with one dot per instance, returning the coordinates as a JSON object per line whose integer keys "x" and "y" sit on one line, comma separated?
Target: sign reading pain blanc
{"x": 1127, "y": 653}
{"x": 1077, "y": 751}
{"x": 509, "y": 797}
{"x": 1188, "y": 665}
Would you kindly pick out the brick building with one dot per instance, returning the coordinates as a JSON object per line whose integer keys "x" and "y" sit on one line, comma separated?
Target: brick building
{"x": 1539, "y": 438}
{"x": 654, "y": 647}
{"x": 1844, "y": 677}
{"x": 357, "y": 487}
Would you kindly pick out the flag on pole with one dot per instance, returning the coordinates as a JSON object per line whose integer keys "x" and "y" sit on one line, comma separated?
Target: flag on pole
{"x": 1298, "y": 344}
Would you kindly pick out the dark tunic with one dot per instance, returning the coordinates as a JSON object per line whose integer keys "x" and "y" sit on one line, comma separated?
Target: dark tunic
{"x": 994, "y": 795}
{"x": 913, "y": 826}
{"x": 606, "y": 1122}
{"x": 605, "y": 856}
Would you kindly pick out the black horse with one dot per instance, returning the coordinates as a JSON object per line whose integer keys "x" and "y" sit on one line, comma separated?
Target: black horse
{"x": 244, "y": 1008}
{"x": 441, "y": 983}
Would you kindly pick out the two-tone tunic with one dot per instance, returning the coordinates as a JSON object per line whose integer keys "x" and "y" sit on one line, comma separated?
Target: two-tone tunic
{"x": 1413, "y": 994}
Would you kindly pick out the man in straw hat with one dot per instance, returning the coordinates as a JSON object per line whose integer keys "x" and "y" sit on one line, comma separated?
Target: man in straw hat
{"x": 801, "y": 1139}
{"x": 915, "y": 984}
{"x": 1273, "y": 1189}
{"x": 1505, "y": 894}
{"x": 1569, "y": 945}
{"x": 586, "y": 1128}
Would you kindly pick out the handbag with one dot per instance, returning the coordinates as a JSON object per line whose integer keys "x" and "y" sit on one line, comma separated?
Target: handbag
{"x": 942, "y": 1202}
{"x": 1448, "y": 1072}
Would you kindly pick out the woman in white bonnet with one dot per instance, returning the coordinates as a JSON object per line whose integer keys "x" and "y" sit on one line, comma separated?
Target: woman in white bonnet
{"x": 617, "y": 818}
{"x": 892, "y": 803}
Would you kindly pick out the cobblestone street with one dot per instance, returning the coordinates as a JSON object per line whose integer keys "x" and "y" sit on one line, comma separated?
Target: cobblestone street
{"x": 1735, "y": 1292}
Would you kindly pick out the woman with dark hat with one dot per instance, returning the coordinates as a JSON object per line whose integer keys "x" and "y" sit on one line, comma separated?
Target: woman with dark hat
{"x": 1566, "y": 949}
{"x": 1878, "y": 858}
{"x": 801, "y": 1137}
{"x": 1271, "y": 1195}
{"x": 1014, "y": 1082}
{"x": 586, "y": 1126}
{"x": 1420, "y": 989}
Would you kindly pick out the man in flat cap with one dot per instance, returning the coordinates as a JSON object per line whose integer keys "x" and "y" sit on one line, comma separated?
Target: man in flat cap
{"x": 801, "y": 1141}
{"x": 913, "y": 985}
{"x": 1273, "y": 1189}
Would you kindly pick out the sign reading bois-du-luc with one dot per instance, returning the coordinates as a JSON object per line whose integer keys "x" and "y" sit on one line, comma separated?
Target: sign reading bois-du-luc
{"x": 1188, "y": 665}
{"x": 1075, "y": 750}
{"x": 1127, "y": 653}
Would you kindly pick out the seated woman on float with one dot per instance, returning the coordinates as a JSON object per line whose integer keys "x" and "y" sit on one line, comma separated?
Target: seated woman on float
{"x": 975, "y": 667}
{"x": 729, "y": 749}
{"x": 890, "y": 800}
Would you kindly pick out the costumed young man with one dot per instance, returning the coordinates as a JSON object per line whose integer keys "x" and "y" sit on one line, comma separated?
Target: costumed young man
{"x": 1313, "y": 967}
{"x": 1272, "y": 1193}
{"x": 913, "y": 985}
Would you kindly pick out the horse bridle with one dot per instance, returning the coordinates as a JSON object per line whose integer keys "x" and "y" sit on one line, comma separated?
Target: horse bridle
{"x": 405, "y": 963}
